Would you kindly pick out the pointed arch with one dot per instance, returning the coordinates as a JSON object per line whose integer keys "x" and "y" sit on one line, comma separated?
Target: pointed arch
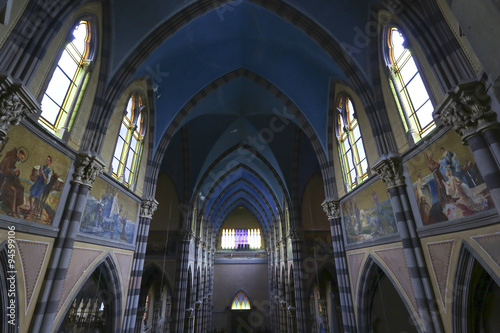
{"x": 371, "y": 275}
{"x": 241, "y": 72}
{"x": 107, "y": 272}
{"x": 471, "y": 281}
{"x": 241, "y": 301}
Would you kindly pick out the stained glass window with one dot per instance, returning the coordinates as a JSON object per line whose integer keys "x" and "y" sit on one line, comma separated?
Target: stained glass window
{"x": 68, "y": 81}
{"x": 351, "y": 149}
{"x": 129, "y": 145}
{"x": 409, "y": 88}
{"x": 240, "y": 302}
{"x": 241, "y": 239}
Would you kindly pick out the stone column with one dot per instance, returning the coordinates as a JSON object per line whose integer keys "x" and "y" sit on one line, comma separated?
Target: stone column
{"x": 87, "y": 168}
{"x": 299, "y": 313}
{"x": 180, "y": 302}
{"x": 16, "y": 102}
{"x": 332, "y": 209}
{"x": 468, "y": 110}
{"x": 390, "y": 170}
{"x": 148, "y": 207}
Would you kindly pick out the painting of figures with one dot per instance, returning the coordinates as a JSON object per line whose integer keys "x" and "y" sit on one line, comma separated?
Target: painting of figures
{"x": 109, "y": 213}
{"x": 368, "y": 215}
{"x": 32, "y": 176}
{"x": 446, "y": 182}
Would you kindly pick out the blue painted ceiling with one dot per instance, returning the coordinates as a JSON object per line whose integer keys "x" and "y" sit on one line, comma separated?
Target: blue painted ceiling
{"x": 237, "y": 151}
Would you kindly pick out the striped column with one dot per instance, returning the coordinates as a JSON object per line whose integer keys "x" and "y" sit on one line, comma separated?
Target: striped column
{"x": 300, "y": 314}
{"x": 390, "y": 170}
{"x": 87, "y": 168}
{"x": 179, "y": 313}
{"x": 468, "y": 110}
{"x": 148, "y": 207}
{"x": 332, "y": 210}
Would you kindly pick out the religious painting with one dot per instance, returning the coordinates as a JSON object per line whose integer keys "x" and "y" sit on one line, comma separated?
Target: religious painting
{"x": 109, "y": 213}
{"x": 446, "y": 181}
{"x": 368, "y": 215}
{"x": 32, "y": 177}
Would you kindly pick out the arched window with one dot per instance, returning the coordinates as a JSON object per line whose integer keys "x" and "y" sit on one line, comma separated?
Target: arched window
{"x": 129, "y": 145}
{"x": 240, "y": 302}
{"x": 351, "y": 148}
{"x": 69, "y": 79}
{"x": 408, "y": 87}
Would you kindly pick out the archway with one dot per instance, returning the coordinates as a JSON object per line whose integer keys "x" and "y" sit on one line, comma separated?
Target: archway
{"x": 381, "y": 308}
{"x": 476, "y": 290}
{"x": 97, "y": 306}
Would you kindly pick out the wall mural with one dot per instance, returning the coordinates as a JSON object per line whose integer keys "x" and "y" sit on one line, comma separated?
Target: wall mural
{"x": 368, "y": 215}
{"x": 447, "y": 182}
{"x": 109, "y": 213}
{"x": 32, "y": 176}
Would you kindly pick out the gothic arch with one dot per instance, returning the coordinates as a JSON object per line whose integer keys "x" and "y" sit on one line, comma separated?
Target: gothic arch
{"x": 110, "y": 274}
{"x": 469, "y": 268}
{"x": 186, "y": 15}
{"x": 371, "y": 274}
{"x": 214, "y": 85}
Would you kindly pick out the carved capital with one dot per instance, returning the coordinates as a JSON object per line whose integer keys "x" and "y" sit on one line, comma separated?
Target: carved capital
{"x": 331, "y": 208}
{"x": 466, "y": 108}
{"x": 390, "y": 170}
{"x": 87, "y": 169}
{"x": 16, "y": 102}
{"x": 148, "y": 207}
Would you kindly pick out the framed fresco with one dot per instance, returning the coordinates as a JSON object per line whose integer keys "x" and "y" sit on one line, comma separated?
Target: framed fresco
{"x": 446, "y": 181}
{"x": 109, "y": 213}
{"x": 368, "y": 215}
{"x": 32, "y": 177}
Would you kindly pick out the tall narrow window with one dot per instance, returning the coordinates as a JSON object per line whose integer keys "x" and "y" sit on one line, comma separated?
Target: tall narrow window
{"x": 65, "y": 88}
{"x": 240, "y": 302}
{"x": 129, "y": 145}
{"x": 351, "y": 148}
{"x": 409, "y": 89}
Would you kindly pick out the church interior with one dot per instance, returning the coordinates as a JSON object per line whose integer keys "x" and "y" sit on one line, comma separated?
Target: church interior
{"x": 249, "y": 166}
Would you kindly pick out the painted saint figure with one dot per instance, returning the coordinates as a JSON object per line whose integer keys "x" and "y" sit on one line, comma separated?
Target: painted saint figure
{"x": 11, "y": 189}
{"x": 43, "y": 178}
{"x": 433, "y": 166}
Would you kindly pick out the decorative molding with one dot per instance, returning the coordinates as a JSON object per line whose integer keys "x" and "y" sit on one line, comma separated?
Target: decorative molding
{"x": 148, "y": 207}
{"x": 16, "y": 102}
{"x": 87, "y": 169}
{"x": 390, "y": 170}
{"x": 466, "y": 108}
{"x": 331, "y": 208}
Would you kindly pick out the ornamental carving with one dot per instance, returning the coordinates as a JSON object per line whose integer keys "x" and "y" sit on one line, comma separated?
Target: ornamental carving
{"x": 15, "y": 104}
{"x": 390, "y": 171}
{"x": 148, "y": 207}
{"x": 87, "y": 169}
{"x": 469, "y": 108}
{"x": 331, "y": 208}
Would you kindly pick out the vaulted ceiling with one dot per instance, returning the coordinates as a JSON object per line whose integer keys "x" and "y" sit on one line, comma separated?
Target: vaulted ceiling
{"x": 241, "y": 92}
